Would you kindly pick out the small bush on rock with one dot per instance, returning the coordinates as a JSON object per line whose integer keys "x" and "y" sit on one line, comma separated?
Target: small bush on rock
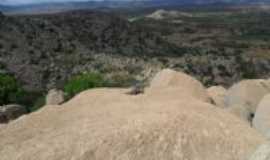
{"x": 83, "y": 82}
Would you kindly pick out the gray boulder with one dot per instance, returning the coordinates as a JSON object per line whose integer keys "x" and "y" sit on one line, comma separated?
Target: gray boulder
{"x": 11, "y": 112}
{"x": 261, "y": 120}
{"x": 247, "y": 94}
{"x": 262, "y": 153}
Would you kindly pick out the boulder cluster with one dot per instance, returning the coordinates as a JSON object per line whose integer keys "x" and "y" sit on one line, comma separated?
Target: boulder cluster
{"x": 175, "y": 118}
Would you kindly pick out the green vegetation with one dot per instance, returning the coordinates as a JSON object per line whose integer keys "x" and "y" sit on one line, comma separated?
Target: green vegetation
{"x": 32, "y": 100}
{"x": 201, "y": 41}
{"x": 10, "y": 91}
{"x": 119, "y": 80}
{"x": 86, "y": 81}
{"x": 83, "y": 82}
{"x": 38, "y": 103}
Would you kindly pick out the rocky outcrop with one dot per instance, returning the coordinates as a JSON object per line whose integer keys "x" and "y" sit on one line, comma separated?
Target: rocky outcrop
{"x": 261, "y": 120}
{"x": 168, "y": 81}
{"x": 262, "y": 153}
{"x": 11, "y": 112}
{"x": 110, "y": 124}
{"x": 217, "y": 94}
{"x": 55, "y": 97}
{"x": 247, "y": 94}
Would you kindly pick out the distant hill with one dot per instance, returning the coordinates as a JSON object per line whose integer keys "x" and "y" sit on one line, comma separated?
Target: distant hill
{"x": 59, "y": 7}
{"x": 39, "y": 48}
{"x": 4, "y": 8}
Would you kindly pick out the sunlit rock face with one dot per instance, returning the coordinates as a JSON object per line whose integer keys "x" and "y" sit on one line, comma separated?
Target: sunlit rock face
{"x": 112, "y": 124}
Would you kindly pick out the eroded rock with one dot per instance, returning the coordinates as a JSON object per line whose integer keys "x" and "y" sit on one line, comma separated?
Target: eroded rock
{"x": 55, "y": 97}
{"x": 168, "y": 81}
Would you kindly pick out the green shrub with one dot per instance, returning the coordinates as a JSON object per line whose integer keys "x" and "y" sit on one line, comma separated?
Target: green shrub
{"x": 39, "y": 103}
{"x": 32, "y": 100}
{"x": 119, "y": 80}
{"x": 10, "y": 91}
{"x": 83, "y": 82}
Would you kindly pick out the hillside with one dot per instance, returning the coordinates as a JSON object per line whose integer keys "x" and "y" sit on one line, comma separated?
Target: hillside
{"x": 44, "y": 51}
{"x": 40, "y": 48}
{"x": 58, "y": 6}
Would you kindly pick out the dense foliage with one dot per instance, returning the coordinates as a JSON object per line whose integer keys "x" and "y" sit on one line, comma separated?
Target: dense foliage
{"x": 11, "y": 92}
{"x": 204, "y": 43}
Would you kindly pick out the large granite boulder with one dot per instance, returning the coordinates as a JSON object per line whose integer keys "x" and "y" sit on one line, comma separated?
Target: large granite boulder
{"x": 106, "y": 124}
{"x": 167, "y": 81}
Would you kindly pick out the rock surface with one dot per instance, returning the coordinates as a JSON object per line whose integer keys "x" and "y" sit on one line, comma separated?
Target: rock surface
{"x": 55, "y": 97}
{"x": 217, "y": 93}
{"x": 241, "y": 112}
{"x": 262, "y": 153}
{"x": 110, "y": 124}
{"x": 261, "y": 120}
{"x": 168, "y": 81}
{"x": 11, "y": 112}
{"x": 248, "y": 94}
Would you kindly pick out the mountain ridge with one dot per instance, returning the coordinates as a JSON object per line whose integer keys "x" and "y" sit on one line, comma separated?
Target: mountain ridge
{"x": 65, "y": 6}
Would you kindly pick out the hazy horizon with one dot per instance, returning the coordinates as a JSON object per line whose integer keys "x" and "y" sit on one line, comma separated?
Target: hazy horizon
{"x": 25, "y": 2}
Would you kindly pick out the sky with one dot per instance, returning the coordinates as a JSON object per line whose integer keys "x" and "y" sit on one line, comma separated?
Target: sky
{"x": 20, "y": 2}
